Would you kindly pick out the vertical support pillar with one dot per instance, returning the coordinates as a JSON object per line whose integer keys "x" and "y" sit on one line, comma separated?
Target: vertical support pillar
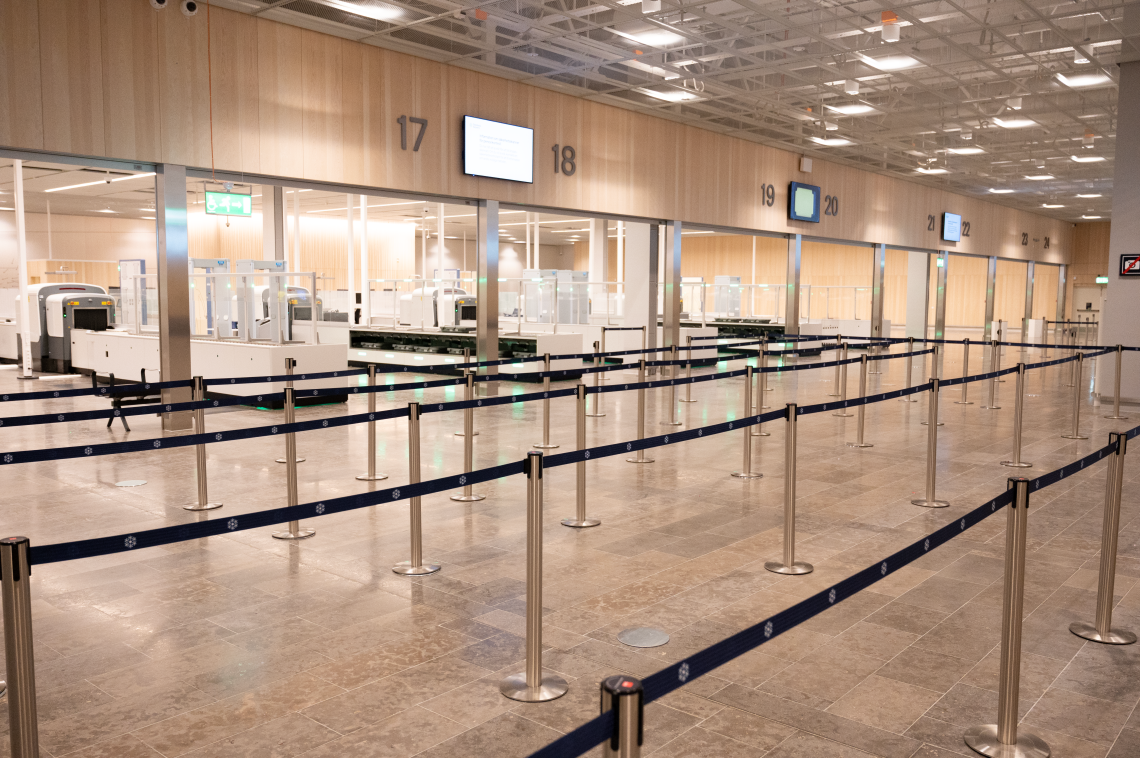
{"x": 272, "y": 223}
{"x": 297, "y": 231}
{"x": 599, "y": 240}
{"x": 350, "y": 254}
{"x": 878, "y": 275}
{"x": 649, "y": 336}
{"x": 173, "y": 291}
{"x": 1030, "y": 279}
{"x": 487, "y": 286}
{"x": 22, "y": 275}
{"x": 991, "y": 284}
{"x": 671, "y": 323}
{"x": 365, "y": 295}
{"x": 943, "y": 265}
{"x": 792, "y": 284}
{"x": 917, "y": 294}
{"x": 1062, "y": 291}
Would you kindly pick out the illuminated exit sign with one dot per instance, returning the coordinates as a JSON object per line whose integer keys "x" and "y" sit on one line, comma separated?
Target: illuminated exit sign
{"x": 228, "y": 204}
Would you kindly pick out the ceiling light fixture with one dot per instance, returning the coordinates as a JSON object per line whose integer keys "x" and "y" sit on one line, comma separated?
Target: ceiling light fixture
{"x": 1051, "y": 205}
{"x": 967, "y": 135}
{"x": 1014, "y": 123}
{"x": 650, "y": 6}
{"x": 1090, "y": 218}
{"x": 831, "y": 141}
{"x": 101, "y": 181}
{"x": 1084, "y": 80}
{"x": 1086, "y": 158}
{"x": 1096, "y": 195}
{"x": 1014, "y": 103}
{"x": 922, "y": 170}
{"x": 997, "y": 191}
{"x": 1040, "y": 177}
{"x": 853, "y": 109}
{"x": 851, "y": 87}
{"x": 654, "y": 36}
{"x": 830, "y": 127}
{"x": 1079, "y": 56}
{"x": 965, "y": 150}
{"x": 671, "y": 95}
{"x": 377, "y": 12}
{"x": 1087, "y": 140}
{"x": 892, "y": 62}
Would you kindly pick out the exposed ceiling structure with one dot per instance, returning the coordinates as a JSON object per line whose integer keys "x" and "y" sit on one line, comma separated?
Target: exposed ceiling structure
{"x": 983, "y": 97}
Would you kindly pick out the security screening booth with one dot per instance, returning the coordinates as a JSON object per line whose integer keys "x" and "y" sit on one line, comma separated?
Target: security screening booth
{"x": 61, "y": 308}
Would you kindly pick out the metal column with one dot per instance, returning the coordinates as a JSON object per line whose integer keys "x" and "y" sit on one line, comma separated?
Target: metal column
{"x": 173, "y": 290}
{"x": 878, "y": 273}
{"x": 792, "y": 284}
{"x": 1030, "y": 277}
{"x": 942, "y": 264}
{"x": 15, "y": 580}
{"x": 991, "y": 283}
{"x": 487, "y": 287}
{"x": 671, "y": 323}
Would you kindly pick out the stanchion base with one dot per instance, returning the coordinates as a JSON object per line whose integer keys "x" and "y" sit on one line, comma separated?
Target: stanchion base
{"x": 595, "y": 415}
{"x": 461, "y": 434}
{"x": 931, "y": 503}
{"x": 927, "y": 423}
{"x": 643, "y": 636}
{"x": 764, "y": 407}
{"x": 990, "y": 407}
{"x": 963, "y": 402}
{"x": 551, "y": 688}
{"x": 671, "y": 423}
{"x": 859, "y": 444}
{"x": 686, "y": 401}
{"x": 406, "y": 568}
{"x": 544, "y": 447}
{"x": 983, "y": 739}
{"x": 844, "y": 415}
{"x": 282, "y": 460}
{"x": 201, "y": 507}
{"x": 635, "y": 460}
{"x": 1017, "y": 464}
{"x": 761, "y": 434}
{"x": 747, "y": 475}
{"x": 1089, "y": 632}
{"x": 797, "y": 568}
{"x": 1118, "y": 418}
{"x": 584, "y": 523}
{"x": 1073, "y": 437}
{"x": 300, "y": 534}
{"x": 833, "y": 394}
{"x": 907, "y": 400}
{"x": 367, "y": 478}
{"x": 468, "y": 498}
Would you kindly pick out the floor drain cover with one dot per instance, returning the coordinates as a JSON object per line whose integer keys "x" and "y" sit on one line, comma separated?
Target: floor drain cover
{"x": 643, "y": 636}
{"x": 131, "y": 483}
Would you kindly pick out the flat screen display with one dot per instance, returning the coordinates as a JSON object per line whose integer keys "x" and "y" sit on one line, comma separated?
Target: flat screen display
{"x": 803, "y": 202}
{"x": 951, "y": 227}
{"x": 497, "y": 150}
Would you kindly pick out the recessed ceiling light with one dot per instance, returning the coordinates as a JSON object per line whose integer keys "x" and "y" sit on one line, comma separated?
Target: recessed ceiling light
{"x": 922, "y": 170}
{"x": 1090, "y": 217}
{"x": 832, "y": 141}
{"x": 1084, "y": 80}
{"x": 997, "y": 191}
{"x": 1014, "y": 123}
{"x": 854, "y": 109}
{"x": 1040, "y": 177}
{"x": 892, "y": 62}
{"x": 101, "y": 181}
{"x": 1051, "y": 205}
{"x": 671, "y": 95}
{"x": 653, "y": 36}
{"x": 1096, "y": 195}
{"x": 105, "y": 210}
{"x": 7, "y": 209}
{"x": 148, "y": 218}
{"x": 1087, "y": 158}
{"x": 965, "y": 150}
{"x": 378, "y": 12}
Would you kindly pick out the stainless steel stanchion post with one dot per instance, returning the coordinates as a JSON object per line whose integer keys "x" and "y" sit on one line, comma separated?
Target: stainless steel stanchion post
{"x": 673, "y": 421}
{"x": 199, "y": 394}
{"x": 1101, "y": 630}
{"x": 1078, "y": 369}
{"x": 1018, "y": 417}
{"x": 789, "y": 565}
{"x": 372, "y": 476}
{"x": 1073, "y": 350}
{"x": 295, "y": 532}
{"x": 545, "y": 444}
{"x": 471, "y": 395}
{"x": 1116, "y": 384}
{"x": 640, "y": 457}
{"x": 289, "y": 365}
{"x": 933, "y": 365}
{"x": 842, "y": 412}
{"x": 876, "y": 349}
{"x": 15, "y": 578}
{"x": 965, "y": 372}
{"x": 995, "y": 356}
{"x": 689, "y": 373}
{"x": 416, "y": 565}
{"x": 758, "y": 429}
{"x": 762, "y": 379}
{"x": 999, "y": 380}
{"x": 1003, "y": 739}
{"x": 580, "y": 520}
{"x": 930, "y": 501}
{"x": 746, "y": 471}
{"x": 909, "y": 366}
{"x": 840, "y": 354}
{"x": 468, "y": 443}
{"x": 862, "y": 413}
{"x": 599, "y": 361}
{"x": 625, "y": 697}
{"x": 644, "y": 343}
{"x": 533, "y": 685}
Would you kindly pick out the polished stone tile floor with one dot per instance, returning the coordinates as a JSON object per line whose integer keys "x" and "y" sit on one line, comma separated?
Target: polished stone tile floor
{"x": 246, "y": 646}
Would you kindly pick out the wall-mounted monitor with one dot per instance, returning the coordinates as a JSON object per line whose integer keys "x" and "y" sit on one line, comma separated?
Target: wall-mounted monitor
{"x": 497, "y": 150}
{"x": 803, "y": 202}
{"x": 951, "y": 227}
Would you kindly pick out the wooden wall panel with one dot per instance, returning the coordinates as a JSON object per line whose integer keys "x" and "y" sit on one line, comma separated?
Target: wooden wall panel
{"x": 300, "y": 104}
{"x": 72, "y": 70}
{"x": 21, "y": 86}
{"x": 1045, "y": 291}
{"x": 1009, "y": 292}
{"x": 130, "y": 80}
{"x": 102, "y": 273}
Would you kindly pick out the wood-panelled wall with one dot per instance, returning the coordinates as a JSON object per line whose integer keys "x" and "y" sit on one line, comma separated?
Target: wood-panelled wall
{"x": 114, "y": 78}
{"x": 1090, "y": 257}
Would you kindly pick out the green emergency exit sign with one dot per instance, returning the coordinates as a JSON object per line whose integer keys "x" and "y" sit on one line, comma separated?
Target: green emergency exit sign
{"x": 228, "y": 204}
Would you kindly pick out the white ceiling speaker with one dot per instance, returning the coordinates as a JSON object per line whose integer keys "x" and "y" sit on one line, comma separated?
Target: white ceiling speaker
{"x": 890, "y": 26}
{"x": 1079, "y": 56}
{"x": 1014, "y": 103}
{"x": 158, "y": 4}
{"x": 189, "y": 8}
{"x": 967, "y": 135}
{"x": 851, "y": 87}
{"x": 650, "y": 6}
